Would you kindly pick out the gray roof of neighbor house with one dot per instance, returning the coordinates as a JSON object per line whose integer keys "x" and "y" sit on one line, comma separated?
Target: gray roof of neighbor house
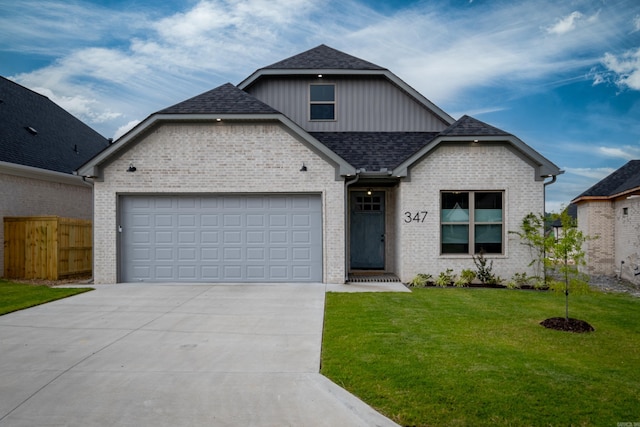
{"x": 38, "y": 133}
{"x": 225, "y": 99}
{"x": 623, "y": 180}
{"x": 324, "y": 57}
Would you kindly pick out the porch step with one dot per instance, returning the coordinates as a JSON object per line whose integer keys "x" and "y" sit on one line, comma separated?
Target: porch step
{"x": 373, "y": 278}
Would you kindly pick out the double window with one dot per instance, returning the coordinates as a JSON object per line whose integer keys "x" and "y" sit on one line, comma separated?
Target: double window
{"x": 322, "y": 102}
{"x": 471, "y": 222}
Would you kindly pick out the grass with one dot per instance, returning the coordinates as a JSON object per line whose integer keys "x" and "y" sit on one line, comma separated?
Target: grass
{"x": 478, "y": 357}
{"x": 18, "y": 296}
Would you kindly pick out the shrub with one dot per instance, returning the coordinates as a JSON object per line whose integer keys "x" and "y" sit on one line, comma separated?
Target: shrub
{"x": 420, "y": 281}
{"x": 445, "y": 278}
{"x": 484, "y": 273}
{"x": 465, "y": 278}
{"x": 519, "y": 280}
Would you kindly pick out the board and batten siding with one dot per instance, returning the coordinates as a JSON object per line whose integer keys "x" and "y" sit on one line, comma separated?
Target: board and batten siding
{"x": 362, "y": 104}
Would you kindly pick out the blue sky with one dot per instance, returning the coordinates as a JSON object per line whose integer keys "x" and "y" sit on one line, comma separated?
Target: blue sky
{"x": 563, "y": 76}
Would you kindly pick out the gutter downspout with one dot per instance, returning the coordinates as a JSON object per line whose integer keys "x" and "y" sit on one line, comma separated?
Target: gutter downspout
{"x": 544, "y": 211}
{"x": 346, "y": 225}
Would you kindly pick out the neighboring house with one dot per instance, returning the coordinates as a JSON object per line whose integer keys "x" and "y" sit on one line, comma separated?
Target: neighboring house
{"x": 41, "y": 145}
{"x": 610, "y": 212}
{"x": 317, "y": 168}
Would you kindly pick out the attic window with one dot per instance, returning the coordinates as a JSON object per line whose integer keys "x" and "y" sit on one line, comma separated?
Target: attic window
{"x": 31, "y": 130}
{"x": 322, "y": 102}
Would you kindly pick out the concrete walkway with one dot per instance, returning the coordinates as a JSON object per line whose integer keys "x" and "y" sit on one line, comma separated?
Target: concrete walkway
{"x": 173, "y": 355}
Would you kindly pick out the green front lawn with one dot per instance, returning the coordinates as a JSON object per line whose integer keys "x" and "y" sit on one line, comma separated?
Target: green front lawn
{"x": 17, "y": 296}
{"x": 478, "y": 357}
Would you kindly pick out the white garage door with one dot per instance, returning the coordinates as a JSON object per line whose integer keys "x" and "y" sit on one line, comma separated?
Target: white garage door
{"x": 231, "y": 238}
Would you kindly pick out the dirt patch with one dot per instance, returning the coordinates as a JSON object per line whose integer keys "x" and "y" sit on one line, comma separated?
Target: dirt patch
{"x": 568, "y": 325}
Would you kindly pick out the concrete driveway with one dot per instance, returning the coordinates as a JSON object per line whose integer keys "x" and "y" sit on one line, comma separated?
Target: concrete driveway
{"x": 173, "y": 355}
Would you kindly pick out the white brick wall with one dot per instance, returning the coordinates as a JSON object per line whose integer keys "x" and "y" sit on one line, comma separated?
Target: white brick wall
{"x": 627, "y": 238}
{"x": 596, "y": 220}
{"x": 616, "y": 237}
{"x": 218, "y": 158}
{"x": 22, "y": 196}
{"x": 452, "y": 168}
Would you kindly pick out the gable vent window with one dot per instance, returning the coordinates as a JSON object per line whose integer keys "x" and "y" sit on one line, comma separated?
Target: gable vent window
{"x": 31, "y": 130}
{"x": 322, "y": 102}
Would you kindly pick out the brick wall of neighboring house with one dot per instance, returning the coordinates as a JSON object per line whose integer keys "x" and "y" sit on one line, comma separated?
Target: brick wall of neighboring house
{"x": 596, "y": 220}
{"x": 452, "y": 168}
{"x": 24, "y": 196}
{"x": 225, "y": 158}
{"x": 627, "y": 238}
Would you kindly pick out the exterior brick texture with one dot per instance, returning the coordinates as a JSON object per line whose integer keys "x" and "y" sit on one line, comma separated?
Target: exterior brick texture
{"x": 22, "y": 196}
{"x": 615, "y": 245}
{"x": 217, "y": 158}
{"x": 460, "y": 168}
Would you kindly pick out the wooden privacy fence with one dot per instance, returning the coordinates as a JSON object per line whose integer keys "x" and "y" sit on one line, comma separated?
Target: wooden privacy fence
{"x": 47, "y": 247}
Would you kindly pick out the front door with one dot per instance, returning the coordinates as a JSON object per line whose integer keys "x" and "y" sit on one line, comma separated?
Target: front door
{"x": 367, "y": 230}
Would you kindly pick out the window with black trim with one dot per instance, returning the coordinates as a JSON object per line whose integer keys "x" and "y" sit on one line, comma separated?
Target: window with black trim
{"x": 322, "y": 102}
{"x": 471, "y": 222}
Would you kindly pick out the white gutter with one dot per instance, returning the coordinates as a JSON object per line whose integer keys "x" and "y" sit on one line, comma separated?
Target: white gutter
{"x": 41, "y": 174}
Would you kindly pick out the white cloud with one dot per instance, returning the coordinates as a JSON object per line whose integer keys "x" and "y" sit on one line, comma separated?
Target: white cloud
{"x": 625, "y": 68}
{"x": 592, "y": 173}
{"x": 626, "y": 152}
{"x": 636, "y": 23}
{"x": 125, "y": 128}
{"x": 566, "y": 24}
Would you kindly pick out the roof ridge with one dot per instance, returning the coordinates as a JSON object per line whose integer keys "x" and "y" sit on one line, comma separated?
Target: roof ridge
{"x": 224, "y": 99}
{"x": 468, "y": 126}
{"x": 324, "y": 57}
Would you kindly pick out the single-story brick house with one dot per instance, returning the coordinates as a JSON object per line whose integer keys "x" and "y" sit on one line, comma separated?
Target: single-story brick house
{"x": 41, "y": 145}
{"x": 609, "y": 211}
{"x": 316, "y": 168}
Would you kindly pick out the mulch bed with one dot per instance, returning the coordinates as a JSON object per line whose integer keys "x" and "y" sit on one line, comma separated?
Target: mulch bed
{"x": 569, "y": 325}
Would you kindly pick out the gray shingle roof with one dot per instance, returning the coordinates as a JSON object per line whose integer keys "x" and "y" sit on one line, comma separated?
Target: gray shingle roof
{"x": 57, "y": 141}
{"x": 324, "y": 57}
{"x": 225, "y": 99}
{"x": 468, "y": 126}
{"x": 624, "y": 179}
{"x": 374, "y": 150}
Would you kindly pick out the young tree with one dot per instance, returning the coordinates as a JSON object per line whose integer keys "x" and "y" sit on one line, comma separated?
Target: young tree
{"x": 562, "y": 255}
{"x": 568, "y": 257}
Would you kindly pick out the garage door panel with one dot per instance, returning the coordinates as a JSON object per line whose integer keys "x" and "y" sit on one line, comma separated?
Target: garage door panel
{"x": 231, "y": 238}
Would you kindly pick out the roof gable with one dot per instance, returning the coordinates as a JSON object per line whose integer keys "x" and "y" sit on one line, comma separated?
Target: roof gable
{"x": 38, "y": 133}
{"x": 324, "y": 57}
{"x": 625, "y": 179}
{"x": 225, "y": 99}
{"x": 468, "y": 130}
{"x": 331, "y": 62}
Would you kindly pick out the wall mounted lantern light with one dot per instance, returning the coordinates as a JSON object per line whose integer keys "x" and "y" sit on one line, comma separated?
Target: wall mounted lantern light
{"x": 131, "y": 168}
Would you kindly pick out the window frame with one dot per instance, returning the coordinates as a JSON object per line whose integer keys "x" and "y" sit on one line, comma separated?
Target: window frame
{"x": 323, "y": 102}
{"x": 471, "y": 223}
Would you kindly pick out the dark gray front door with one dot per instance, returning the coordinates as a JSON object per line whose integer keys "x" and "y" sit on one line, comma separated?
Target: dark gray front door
{"x": 367, "y": 230}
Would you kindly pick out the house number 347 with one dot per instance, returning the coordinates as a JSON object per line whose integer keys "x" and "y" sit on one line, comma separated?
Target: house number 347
{"x": 418, "y": 216}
